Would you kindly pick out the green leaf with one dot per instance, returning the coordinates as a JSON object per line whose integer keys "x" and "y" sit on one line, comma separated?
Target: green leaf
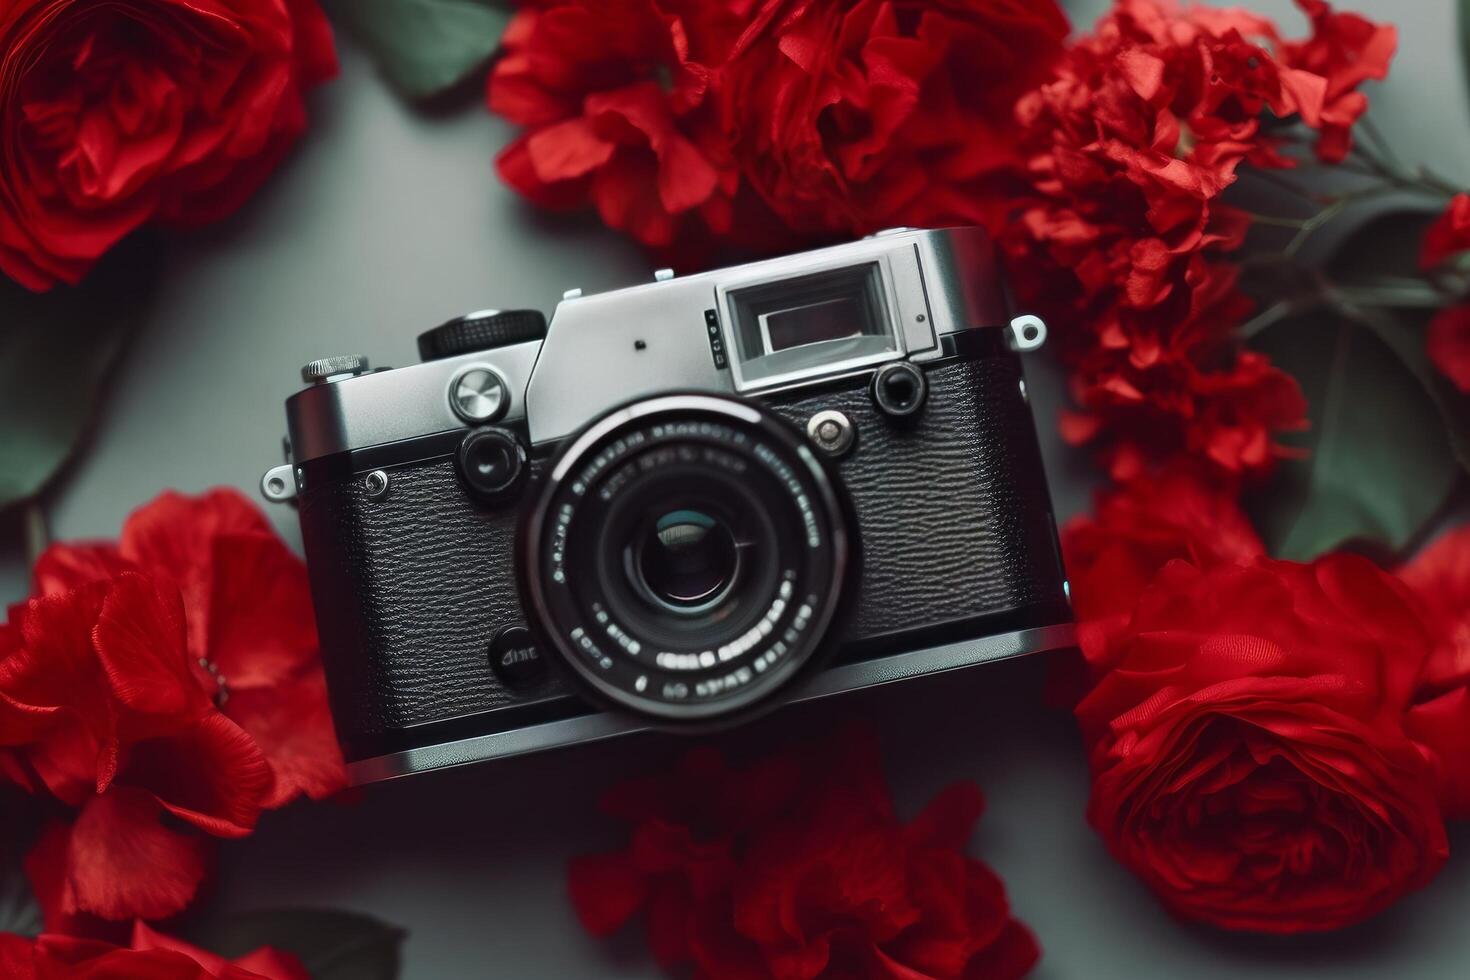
{"x": 19, "y": 912}
{"x": 331, "y": 943}
{"x": 1380, "y": 464}
{"x": 57, "y": 350}
{"x": 424, "y": 47}
{"x": 1465, "y": 38}
{"x": 1380, "y": 285}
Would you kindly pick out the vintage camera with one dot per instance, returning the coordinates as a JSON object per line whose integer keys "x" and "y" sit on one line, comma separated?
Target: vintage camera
{"x": 679, "y": 504}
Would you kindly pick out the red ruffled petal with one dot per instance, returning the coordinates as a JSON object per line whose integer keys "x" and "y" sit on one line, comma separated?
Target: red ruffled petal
{"x": 121, "y": 862}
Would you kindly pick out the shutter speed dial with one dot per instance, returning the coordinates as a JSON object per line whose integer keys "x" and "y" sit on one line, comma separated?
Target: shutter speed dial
{"x": 481, "y": 331}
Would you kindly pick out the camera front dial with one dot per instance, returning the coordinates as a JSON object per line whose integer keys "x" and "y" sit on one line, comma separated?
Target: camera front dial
{"x": 685, "y": 557}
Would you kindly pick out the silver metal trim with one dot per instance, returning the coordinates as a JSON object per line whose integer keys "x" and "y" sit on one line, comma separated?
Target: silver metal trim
{"x": 601, "y": 725}
{"x": 1028, "y": 333}
{"x": 324, "y": 369}
{"x": 838, "y": 444}
{"x": 278, "y": 485}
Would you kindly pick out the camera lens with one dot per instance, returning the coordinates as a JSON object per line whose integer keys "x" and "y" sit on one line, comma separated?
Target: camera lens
{"x": 686, "y": 560}
{"x": 685, "y": 556}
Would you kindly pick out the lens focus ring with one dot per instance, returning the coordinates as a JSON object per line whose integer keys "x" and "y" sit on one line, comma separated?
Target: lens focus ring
{"x": 685, "y": 557}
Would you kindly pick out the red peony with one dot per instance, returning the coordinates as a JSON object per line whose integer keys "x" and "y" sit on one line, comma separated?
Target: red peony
{"x": 1449, "y": 235}
{"x": 854, "y": 115}
{"x": 118, "y": 114}
{"x": 165, "y": 686}
{"x": 616, "y": 102}
{"x": 1248, "y": 750}
{"x": 797, "y": 867}
{"x": 151, "y": 956}
{"x": 1440, "y": 720}
{"x": 1124, "y": 243}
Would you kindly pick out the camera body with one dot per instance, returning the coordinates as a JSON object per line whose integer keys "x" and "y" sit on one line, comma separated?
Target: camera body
{"x": 689, "y": 501}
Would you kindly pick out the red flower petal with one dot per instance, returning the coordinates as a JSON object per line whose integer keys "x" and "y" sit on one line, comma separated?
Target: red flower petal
{"x": 261, "y": 626}
{"x": 211, "y": 774}
{"x": 141, "y": 644}
{"x": 174, "y": 535}
{"x": 122, "y": 863}
{"x": 292, "y": 725}
{"x": 67, "y": 566}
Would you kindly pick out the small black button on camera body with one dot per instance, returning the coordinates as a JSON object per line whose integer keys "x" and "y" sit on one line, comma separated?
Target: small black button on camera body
{"x": 491, "y": 463}
{"x": 899, "y": 389}
{"x": 514, "y": 658}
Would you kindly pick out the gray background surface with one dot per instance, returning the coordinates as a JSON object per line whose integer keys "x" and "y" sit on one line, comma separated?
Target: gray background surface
{"x": 387, "y": 221}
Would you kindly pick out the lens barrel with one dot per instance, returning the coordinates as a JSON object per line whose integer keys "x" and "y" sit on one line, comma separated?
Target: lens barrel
{"x": 685, "y": 556}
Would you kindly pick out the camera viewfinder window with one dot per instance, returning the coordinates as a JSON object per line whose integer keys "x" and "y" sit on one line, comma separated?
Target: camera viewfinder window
{"x": 813, "y": 321}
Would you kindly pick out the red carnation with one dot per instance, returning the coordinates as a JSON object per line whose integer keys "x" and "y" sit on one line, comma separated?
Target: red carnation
{"x": 616, "y": 102}
{"x": 1248, "y": 751}
{"x": 853, "y": 115}
{"x": 1440, "y": 720}
{"x": 1449, "y": 235}
{"x": 797, "y": 867}
{"x": 151, "y": 956}
{"x": 1124, "y": 243}
{"x": 115, "y": 115}
{"x": 1346, "y": 50}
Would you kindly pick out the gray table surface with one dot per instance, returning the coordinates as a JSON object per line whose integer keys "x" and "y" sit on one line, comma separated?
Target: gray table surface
{"x": 387, "y": 221}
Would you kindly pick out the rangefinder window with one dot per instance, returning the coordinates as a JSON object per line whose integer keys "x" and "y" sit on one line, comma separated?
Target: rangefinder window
{"x": 814, "y": 321}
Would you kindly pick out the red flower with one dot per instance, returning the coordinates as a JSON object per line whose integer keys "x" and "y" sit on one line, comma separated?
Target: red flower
{"x": 111, "y": 689}
{"x": 853, "y": 115}
{"x": 1123, "y": 241}
{"x": 1449, "y": 235}
{"x": 797, "y": 867}
{"x": 152, "y": 956}
{"x": 102, "y": 708}
{"x": 1449, "y": 344}
{"x": 1248, "y": 751}
{"x": 615, "y": 98}
{"x": 1140, "y": 527}
{"x": 115, "y": 115}
{"x": 1346, "y": 50}
{"x": 251, "y": 632}
{"x": 1440, "y": 719}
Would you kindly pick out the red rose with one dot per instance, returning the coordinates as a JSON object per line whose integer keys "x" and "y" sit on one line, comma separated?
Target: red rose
{"x": 796, "y": 867}
{"x": 118, "y": 114}
{"x": 101, "y": 707}
{"x": 251, "y": 631}
{"x": 152, "y": 956}
{"x": 1248, "y": 751}
{"x": 615, "y": 98}
{"x": 1440, "y": 719}
{"x": 853, "y": 115}
{"x": 1449, "y": 235}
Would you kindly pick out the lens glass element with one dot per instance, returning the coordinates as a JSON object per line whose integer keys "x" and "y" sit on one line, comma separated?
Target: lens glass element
{"x": 686, "y": 560}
